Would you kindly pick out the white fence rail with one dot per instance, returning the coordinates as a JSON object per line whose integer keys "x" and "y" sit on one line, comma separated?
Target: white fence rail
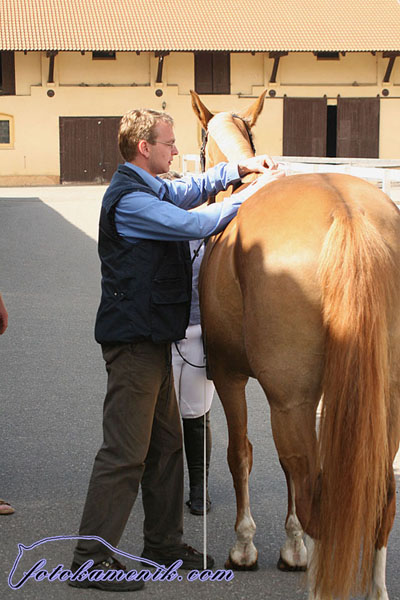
{"x": 384, "y": 173}
{"x": 383, "y": 177}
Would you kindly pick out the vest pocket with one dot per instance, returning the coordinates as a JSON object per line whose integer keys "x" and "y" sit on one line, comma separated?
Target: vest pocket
{"x": 170, "y": 296}
{"x": 170, "y": 306}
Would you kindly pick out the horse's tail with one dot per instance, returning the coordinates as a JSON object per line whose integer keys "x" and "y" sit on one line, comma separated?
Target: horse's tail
{"x": 356, "y": 273}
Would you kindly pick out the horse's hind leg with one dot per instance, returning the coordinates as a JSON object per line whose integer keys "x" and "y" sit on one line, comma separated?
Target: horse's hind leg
{"x": 231, "y": 390}
{"x": 293, "y": 553}
{"x": 378, "y": 589}
{"x": 292, "y": 386}
{"x": 293, "y": 427}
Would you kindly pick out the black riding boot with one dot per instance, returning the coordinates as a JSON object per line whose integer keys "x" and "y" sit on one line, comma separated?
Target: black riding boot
{"x": 193, "y": 431}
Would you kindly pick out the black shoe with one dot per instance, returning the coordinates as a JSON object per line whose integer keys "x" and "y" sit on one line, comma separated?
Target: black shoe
{"x": 196, "y": 500}
{"x": 191, "y": 558}
{"x": 109, "y": 564}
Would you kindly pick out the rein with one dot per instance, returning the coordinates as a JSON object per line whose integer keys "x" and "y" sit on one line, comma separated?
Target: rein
{"x": 195, "y": 255}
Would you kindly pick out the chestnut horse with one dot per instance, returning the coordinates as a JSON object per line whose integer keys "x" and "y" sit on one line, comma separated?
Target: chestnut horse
{"x": 302, "y": 292}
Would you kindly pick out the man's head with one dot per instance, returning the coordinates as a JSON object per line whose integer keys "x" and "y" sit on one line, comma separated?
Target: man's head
{"x": 146, "y": 138}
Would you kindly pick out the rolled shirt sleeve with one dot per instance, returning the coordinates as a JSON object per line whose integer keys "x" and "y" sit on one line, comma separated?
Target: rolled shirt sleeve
{"x": 144, "y": 216}
{"x": 189, "y": 192}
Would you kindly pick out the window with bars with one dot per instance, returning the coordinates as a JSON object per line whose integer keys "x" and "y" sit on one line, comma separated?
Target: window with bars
{"x": 6, "y": 131}
{"x": 5, "y": 137}
{"x": 327, "y": 55}
{"x": 103, "y": 55}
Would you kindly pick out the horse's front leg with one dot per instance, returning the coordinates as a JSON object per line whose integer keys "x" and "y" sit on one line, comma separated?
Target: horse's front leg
{"x": 231, "y": 390}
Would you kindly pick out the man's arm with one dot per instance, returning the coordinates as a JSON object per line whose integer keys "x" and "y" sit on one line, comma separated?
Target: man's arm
{"x": 189, "y": 192}
{"x": 3, "y": 316}
{"x": 194, "y": 190}
{"x": 143, "y": 216}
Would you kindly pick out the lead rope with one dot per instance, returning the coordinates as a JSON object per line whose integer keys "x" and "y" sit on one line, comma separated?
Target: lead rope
{"x": 203, "y": 366}
{"x": 195, "y": 255}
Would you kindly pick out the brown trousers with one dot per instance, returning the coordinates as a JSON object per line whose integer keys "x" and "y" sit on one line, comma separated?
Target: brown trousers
{"x": 142, "y": 445}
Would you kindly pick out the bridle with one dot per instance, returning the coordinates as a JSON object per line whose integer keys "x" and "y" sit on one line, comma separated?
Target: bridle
{"x": 205, "y": 140}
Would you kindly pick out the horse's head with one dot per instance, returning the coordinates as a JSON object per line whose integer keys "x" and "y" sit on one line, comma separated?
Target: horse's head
{"x": 228, "y": 135}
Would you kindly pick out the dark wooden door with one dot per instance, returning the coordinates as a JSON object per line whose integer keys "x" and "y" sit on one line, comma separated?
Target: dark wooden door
{"x": 7, "y": 73}
{"x": 212, "y": 72}
{"x": 358, "y": 127}
{"x": 88, "y": 149}
{"x": 304, "y": 126}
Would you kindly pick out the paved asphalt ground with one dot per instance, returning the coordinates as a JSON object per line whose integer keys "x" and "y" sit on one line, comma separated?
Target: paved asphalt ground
{"x": 52, "y": 387}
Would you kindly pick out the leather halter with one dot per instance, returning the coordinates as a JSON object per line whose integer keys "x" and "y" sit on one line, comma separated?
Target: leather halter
{"x": 205, "y": 140}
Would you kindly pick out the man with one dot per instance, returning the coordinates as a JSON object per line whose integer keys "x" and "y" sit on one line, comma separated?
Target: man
{"x": 146, "y": 290}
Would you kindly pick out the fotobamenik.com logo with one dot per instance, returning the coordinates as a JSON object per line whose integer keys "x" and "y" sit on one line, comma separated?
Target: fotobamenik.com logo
{"x": 39, "y": 573}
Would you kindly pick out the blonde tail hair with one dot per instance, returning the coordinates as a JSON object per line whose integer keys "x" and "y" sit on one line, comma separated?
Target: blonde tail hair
{"x": 356, "y": 275}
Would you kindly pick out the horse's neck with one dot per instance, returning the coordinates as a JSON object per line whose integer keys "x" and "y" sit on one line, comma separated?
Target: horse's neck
{"x": 230, "y": 142}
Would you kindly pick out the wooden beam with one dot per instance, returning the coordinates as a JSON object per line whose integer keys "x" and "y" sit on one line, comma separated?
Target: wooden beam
{"x": 392, "y": 57}
{"x": 160, "y": 56}
{"x": 276, "y": 56}
{"x": 51, "y": 54}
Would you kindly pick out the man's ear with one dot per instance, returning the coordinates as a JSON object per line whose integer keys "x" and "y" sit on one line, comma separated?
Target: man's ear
{"x": 143, "y": 148}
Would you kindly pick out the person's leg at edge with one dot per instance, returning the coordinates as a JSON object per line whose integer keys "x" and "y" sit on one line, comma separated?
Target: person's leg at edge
{"x": 195, "y": 398}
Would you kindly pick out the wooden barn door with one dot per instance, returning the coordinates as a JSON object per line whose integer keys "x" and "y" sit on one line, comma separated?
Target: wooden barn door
{"x": 304, "y": 126}
{"x": 88, "y": 149}
{"x": 358, "y": 127}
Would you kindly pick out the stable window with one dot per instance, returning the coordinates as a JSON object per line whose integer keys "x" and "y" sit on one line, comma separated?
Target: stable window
{"x": 212, "y": 72}
{"x": 103, "y": 55}
{"x": 6, "y": 131}
{"x": 7, "y": 74}
{"x": 327, "y": 55}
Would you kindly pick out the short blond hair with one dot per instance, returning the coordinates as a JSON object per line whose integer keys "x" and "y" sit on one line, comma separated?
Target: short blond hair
{"x": 136, "y": 125}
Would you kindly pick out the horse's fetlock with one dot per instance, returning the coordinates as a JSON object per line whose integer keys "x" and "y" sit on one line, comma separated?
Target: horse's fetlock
{"x": 246, "y": 530}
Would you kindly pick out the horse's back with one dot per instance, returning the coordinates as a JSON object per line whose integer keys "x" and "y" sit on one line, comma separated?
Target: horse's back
{"x": 296, "y": 212}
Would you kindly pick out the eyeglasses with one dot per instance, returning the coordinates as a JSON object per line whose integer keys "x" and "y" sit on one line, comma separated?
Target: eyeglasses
{"x": 170, "y": 144}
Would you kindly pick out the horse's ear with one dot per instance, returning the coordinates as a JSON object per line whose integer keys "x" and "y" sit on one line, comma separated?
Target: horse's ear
{"x": 200, "y": 110}
{"x": 253, "y": 112}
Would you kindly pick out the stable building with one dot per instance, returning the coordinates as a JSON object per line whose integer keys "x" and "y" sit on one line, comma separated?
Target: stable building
{"x": 71, "y": 68}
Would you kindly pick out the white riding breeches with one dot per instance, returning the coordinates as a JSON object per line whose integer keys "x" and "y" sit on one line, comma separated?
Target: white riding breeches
{"x": 194, "y": 391}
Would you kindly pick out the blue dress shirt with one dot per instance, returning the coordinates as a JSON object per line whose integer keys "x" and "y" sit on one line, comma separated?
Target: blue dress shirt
{"x": 143, "y": 216}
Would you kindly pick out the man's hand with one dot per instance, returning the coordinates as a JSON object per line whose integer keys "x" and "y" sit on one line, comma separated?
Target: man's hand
{"x": 257, "y": 164}
{"x": 268, "y": 177}
{"x": 3, "y": 316}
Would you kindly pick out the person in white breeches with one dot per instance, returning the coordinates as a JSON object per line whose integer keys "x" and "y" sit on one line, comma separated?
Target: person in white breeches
{"x": 194, "y": 393}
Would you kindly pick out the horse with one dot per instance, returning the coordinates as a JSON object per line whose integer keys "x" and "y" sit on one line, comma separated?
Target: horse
{"x": 302, "y": 292}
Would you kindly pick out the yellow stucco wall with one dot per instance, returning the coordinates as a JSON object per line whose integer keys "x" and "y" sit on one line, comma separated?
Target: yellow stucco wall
{"x": 304, "y": 69}
{"x": 128, "y": 68}
{"x": 246, "y": 72}
{"x": 113, "y": 87}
